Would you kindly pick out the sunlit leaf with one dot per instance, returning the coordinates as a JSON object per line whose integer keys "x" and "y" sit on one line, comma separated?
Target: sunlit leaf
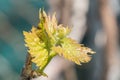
{"x": 73, "y": 51}
{"x": 50, "y": 39}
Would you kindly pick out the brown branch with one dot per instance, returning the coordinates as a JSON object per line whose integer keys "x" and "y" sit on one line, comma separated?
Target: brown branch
{"x": 26, "y": 73}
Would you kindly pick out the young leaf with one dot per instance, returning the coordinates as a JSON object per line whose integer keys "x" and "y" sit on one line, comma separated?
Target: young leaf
{"x": 50, "y": 39}
{"x": 73, "y": 51}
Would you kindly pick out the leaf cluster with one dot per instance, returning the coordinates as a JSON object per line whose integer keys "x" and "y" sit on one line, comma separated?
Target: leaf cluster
{"x": 50, "y": 39}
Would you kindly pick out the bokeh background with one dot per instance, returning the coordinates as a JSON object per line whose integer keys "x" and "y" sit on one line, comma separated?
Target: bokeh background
{"x": 96, "y": 23}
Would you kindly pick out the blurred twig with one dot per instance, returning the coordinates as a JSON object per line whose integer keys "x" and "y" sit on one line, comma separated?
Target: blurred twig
{"x": 26, "y": 73}
{"x": 110, "y": 27}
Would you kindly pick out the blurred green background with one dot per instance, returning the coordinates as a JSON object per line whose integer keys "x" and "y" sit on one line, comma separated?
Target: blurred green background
{"x": 15, "y": 16}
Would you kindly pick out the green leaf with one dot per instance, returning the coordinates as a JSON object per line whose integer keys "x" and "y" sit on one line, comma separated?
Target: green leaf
{"x": 48, "y": 39}
{"x": 73, "y": 51}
